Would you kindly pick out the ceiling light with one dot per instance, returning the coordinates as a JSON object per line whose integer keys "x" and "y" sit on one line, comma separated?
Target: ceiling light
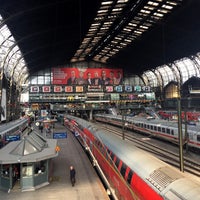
{"x": 106, "y": 2}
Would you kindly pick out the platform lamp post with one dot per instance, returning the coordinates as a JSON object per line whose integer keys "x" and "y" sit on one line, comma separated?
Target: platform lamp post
{"x": 123, "y": 125}
{"x": 186, "y": 130}
{"x": 180, "y": 129}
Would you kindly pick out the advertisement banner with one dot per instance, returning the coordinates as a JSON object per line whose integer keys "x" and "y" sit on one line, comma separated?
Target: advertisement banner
{"x": 119, "y": 88}
{"x": 79, "y": 88}
{"x": 128, "y": 88}
{"x": 87, "y": 76}
{"x": 137, "y": 88}
{"x": 109, "y": 88}
{"x": 34, "y": 89}
{"x": 68, "y": 89}
{"x": 46, "y": 88}
{"x": 94, "y": 88}
{"x": 57, "y": 88}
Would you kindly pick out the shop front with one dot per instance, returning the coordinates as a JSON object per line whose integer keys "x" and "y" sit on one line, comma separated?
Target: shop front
{"x": 27, "y": 162}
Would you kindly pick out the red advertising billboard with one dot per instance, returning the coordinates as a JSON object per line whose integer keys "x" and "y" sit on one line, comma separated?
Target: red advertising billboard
{"x": 89, "y": 76}
{"x": 34, "y": 89}
{"x": 57, "y": 89}
{"x": 46, "y": 88}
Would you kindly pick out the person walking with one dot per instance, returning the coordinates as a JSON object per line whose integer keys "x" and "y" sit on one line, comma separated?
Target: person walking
{"x": 72, "y": 175}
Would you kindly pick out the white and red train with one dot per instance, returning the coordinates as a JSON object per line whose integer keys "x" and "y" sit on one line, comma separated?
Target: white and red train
{"x": 131, "y": 172}
{"x": 161, "y": 128}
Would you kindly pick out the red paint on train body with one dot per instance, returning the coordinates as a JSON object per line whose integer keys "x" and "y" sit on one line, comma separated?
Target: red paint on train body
{"x": 126, "y": 188}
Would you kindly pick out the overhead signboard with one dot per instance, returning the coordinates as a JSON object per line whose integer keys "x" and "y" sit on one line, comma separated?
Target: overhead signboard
{"x": 59, "y": 135}
{"x": 12, "y": 138}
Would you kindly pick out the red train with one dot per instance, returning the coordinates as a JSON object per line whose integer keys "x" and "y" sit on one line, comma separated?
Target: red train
{"x": 132, "y": 173}
{"x": 160, "y": 128}
{"x": 190, "y": 116}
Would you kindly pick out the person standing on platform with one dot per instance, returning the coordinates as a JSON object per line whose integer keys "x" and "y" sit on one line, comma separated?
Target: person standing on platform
{"x": 72, "y": 175}
{"x": 41, "y": 127}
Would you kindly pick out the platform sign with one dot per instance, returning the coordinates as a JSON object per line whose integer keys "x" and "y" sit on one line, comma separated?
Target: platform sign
{"x": 60, "y": 135}
{"x": 12, "y": 138}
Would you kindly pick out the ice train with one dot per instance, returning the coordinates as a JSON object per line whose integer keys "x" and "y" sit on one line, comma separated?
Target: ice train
{"x": 131, "y": 172}
{"x": 161, "y": 128}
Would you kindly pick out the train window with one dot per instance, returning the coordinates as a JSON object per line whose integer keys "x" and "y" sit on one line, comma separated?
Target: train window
{"x": 142, "y": 125}
{"x": 198, "y": 137}
{"x": 117, "y": 162}
{"x": 108, "y": 150}
{"x": 163, "y": 130}
{"x": 172, "y": 132}
{"x": 130, "y": 174}
{"x": 123, "y": 169}
{"x": 145, "y": 125}
{"x": 159, "y": 128}
{"x": 155, "y": 128}
{"x": 151, "y": 127}
{"x": 168, "y": 130}
{"x": 112, "y": 156}
{"x": 148, "y": 126}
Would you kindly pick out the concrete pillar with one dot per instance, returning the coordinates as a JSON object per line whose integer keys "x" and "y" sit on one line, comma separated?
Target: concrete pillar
{"x": 91, "y": 116}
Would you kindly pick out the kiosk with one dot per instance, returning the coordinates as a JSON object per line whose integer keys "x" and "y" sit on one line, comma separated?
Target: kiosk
{"x": 27, "y": 162}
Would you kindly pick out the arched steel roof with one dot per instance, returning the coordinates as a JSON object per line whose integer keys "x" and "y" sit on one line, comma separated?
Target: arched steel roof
{"x": 136, "y": 35}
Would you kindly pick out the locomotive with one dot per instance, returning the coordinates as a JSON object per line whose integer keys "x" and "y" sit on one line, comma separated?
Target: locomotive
{"x": 130, "y": 172}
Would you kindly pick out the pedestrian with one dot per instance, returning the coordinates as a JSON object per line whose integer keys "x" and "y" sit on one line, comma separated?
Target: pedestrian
{"x": 72, "y": 175}
{"x": 41, "y": 127}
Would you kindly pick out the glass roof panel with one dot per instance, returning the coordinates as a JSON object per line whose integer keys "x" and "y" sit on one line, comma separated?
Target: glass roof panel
{"x": 183, "y": 70}
{"x": 177, "y": 72}
{"x": 197, "y": 65}
{"x": 159, "y": 78}
{"x": 10, "y": 55}
{"x": 5, "y": 31}
{"x": 191, "y": 67}
{"x": 152, "y": 79}
{"x": 166, "y": 73}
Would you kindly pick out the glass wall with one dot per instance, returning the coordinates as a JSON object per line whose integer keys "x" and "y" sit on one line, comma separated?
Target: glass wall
{"x": 178, "y": 71}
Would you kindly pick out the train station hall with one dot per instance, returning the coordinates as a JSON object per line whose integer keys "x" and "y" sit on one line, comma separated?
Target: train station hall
{"x": 100, "y": 99}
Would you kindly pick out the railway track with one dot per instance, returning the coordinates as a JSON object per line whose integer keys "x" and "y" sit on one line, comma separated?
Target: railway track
{"x": 191, "y": 166}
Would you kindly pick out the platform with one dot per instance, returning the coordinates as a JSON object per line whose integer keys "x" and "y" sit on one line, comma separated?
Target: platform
{"x": 88, "y": 184}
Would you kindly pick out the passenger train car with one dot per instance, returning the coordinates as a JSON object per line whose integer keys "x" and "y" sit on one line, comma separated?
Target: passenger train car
{"x": 13, "y": 130}
{"x": 130, "y": 172}
{"x": 165, "y": 129}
